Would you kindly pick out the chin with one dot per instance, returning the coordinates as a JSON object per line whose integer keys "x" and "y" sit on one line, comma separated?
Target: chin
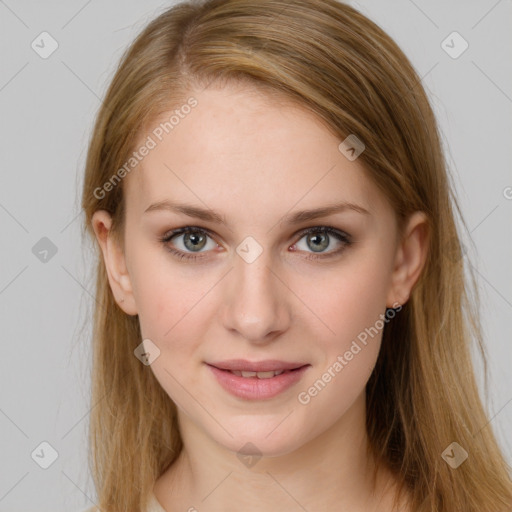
{"x": 256, "y": 441}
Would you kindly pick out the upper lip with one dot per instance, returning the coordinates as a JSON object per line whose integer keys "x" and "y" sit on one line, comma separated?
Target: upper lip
{"x": 256, "y": 366}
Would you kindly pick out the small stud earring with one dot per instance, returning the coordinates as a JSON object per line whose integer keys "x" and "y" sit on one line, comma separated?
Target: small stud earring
{"x": 122, "y": 300}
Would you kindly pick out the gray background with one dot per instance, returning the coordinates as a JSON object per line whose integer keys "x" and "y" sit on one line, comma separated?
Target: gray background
{"x": 47, "y": 111}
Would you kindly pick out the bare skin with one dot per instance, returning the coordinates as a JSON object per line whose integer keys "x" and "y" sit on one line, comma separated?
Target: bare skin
{"x": 255, "y": 161}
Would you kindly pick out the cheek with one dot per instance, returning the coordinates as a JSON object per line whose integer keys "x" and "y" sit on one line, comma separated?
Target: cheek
{"x": 351, "y": 302}
{"x": 171, "y": 306}
{"x": 168, "y": 298}
{"x": 347, "y": 300}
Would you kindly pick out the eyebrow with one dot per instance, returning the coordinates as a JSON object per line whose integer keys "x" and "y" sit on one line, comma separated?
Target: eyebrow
{"x": 209, "y": 215}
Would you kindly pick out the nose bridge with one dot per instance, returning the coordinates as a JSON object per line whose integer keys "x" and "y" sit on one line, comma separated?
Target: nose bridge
{"x": 255, "y": 305}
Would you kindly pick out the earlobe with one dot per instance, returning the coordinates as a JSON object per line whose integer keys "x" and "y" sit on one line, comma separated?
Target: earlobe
{"x": 115, "y": 263}
{"x": 410, "y": 259}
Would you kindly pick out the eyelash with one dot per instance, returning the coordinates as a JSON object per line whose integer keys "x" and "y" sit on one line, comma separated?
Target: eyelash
{"x": 339, "y": 235}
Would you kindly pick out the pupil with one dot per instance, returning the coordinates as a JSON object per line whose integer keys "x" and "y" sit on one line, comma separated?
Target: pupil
{"x": 323, "y": 242}
{"x": 197, "y": 241}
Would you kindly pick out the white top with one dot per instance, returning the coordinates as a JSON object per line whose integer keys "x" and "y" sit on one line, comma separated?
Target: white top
{"x": 154, "y": 506}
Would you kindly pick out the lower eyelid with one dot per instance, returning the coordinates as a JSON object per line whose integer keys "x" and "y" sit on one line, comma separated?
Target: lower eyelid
{"x": 184, "y": 255}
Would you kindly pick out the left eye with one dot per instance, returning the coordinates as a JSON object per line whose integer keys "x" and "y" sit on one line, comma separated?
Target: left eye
{"x": 194, "y": 239}
{"x": 319, "y": 238}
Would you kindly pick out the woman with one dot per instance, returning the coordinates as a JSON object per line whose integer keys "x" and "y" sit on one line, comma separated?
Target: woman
{"x": 279, "y": 323}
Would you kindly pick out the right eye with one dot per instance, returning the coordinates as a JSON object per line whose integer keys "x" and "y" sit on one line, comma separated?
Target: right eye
{"x": 193, "y": 240}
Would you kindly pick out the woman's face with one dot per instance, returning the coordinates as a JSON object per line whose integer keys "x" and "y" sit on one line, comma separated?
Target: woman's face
{"x": 256, "y": 287}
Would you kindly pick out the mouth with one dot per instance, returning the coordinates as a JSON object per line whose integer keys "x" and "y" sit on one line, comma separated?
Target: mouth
{"x": 256, "y": 381}
{"x": 269, "y": 365}
{"x": 259, "y": 375}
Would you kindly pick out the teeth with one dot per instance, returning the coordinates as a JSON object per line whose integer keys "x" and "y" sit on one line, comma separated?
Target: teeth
{"x": 259, "y": 375}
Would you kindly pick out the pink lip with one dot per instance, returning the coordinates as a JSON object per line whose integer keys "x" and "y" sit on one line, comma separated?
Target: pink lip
{"x": 253, "y": 388}
{"x": 256, "y": 366}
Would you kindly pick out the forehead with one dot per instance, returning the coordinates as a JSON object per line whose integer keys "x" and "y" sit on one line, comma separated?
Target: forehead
{"x": 240, "y": 148}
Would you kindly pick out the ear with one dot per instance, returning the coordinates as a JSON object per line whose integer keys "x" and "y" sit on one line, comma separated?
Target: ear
{"x": 410, "y": 258}
{"x": 115, "y": 263}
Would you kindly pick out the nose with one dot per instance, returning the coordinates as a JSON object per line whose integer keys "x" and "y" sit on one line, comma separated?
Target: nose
{"x": 256, "y": 301}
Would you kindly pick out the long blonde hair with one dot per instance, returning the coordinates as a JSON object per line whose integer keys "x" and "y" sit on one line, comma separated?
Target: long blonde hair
{"x": 328, "y": 57}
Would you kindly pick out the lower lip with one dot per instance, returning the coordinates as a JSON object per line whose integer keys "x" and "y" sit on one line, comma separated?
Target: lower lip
{"x": 253, "y": 388}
